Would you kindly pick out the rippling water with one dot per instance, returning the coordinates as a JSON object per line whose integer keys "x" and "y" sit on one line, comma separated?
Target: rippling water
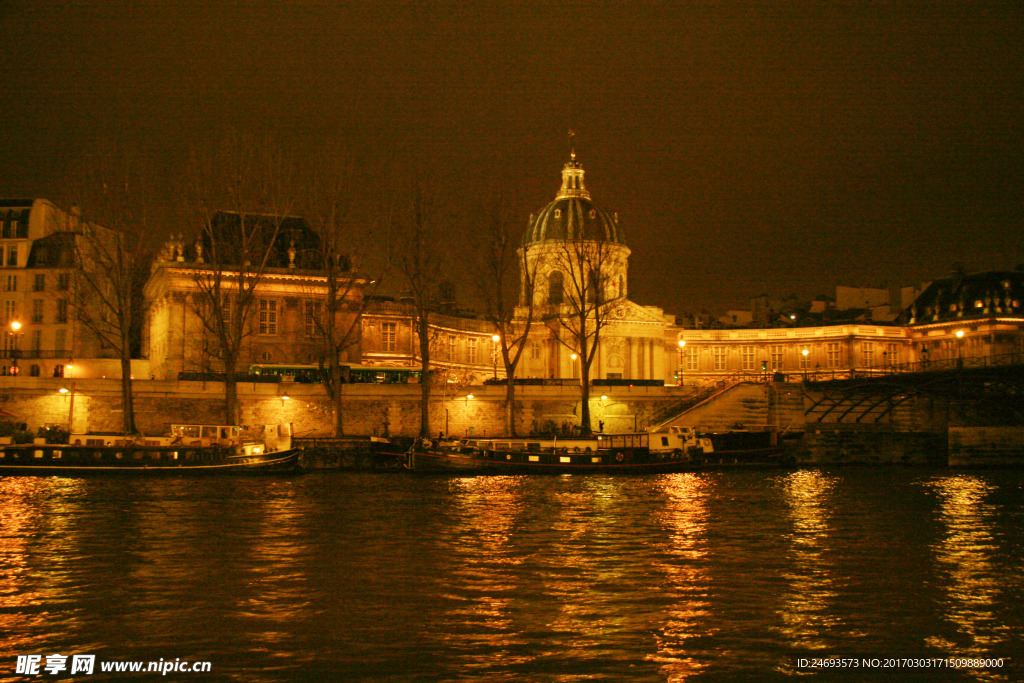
{"x": 393, "y": 577}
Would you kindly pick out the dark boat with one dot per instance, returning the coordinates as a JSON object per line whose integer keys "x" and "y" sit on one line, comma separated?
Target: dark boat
{"x": 199, "y": 449}
{"x": 746, "y": 445}
{"x": 611, "y": 454}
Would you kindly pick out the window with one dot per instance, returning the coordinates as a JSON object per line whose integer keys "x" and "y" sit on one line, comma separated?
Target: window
{"x": 451, "y": 348}
{"x": 594, "y": 293}
{"x": 62, "y": 310}
{"x": 312, "y": 317}
{"x": 39, "y": 283}
{"x": 8, "y": 311}
{"x": 37, "y": 310}
{"x": 12, "y": 255}
{"x": 63, "y": 281}
{"x": 268, "y": 316}
{"x": 388, "y": 336}
{"x": 33, "y": 370}
{"x": 776, "y": 361}
{"x": 535, "y": 350}
{"x": 471, "y": 350}
{"x": 11, "y": 284}
{"x": 747, "y": 353}
{"x": 892, "y": 353}
{"x": 692, "y": 358}
{"x": 59, "y": 342}
{"x": 719, "y": 355}
{"x": 37, "y": 342}
{"x": 555, "y": 288}
{"x": 868, "y": 353}
{"x": 832, "y": 355}
{"x": 225, "y": 311}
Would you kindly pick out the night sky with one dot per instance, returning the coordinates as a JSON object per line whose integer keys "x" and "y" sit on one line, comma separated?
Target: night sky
{"x": 748, "y": 146}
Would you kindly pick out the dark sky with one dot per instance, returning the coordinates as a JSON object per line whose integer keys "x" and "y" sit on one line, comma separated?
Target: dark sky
{"x": 747, "y": 146}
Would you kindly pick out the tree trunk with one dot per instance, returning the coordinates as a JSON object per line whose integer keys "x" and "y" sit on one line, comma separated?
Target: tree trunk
{"x": 424, "y": 336}
{"x": 339, "y": 413}
{"x": 127, "y": 400}
{"x": 510, "y": 407}
{"x": 585, "y": 428}
{"x": 230, "y": 393}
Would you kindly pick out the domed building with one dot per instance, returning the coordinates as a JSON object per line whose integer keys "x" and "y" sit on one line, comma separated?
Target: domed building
{"x": 575, "y": 255}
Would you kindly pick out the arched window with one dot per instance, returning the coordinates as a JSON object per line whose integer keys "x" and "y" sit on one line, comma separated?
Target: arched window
{"x": 594, "y": 293}
{"x": 555, "y": 288}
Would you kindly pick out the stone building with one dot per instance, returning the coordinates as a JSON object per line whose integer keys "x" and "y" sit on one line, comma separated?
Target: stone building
{"x": 281, "y": 314}
{"x": 579, "y": 262}
{"x": 41, "y": 310}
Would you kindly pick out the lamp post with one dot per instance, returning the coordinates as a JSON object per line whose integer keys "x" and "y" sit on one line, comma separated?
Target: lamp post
{"x": 804, "y": 353}
{"x": 682, "y": 348}
{"x": 959, "y": 349}
{"x": 573, "y": 356}
{"x": 15, "y": 333}
{"x": 71, "y": 408}
{"x": 495, "y": 338}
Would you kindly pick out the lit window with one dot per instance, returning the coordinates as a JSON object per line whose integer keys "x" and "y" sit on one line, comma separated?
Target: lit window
{"x": 268, "y": 316}
{"x": 832, "y": 355}
{"x": 747, "y": 354}
{"x": 719, "y": 355}
{"x": 692, "y": 357}
{"x": 388, "y": 336}
{"x": 777, "y": 364}
{"x": 312, "y": 317}
{"x": 868, "y": 349}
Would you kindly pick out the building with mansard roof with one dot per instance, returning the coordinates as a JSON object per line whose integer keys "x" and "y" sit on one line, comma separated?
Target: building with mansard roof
{"x": 42, "y": 329}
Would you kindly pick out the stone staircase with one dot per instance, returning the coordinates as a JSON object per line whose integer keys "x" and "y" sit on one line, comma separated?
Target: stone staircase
{"x": 746, "y": 405}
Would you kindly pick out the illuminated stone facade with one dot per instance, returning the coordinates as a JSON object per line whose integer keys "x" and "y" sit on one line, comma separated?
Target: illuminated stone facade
{"x": 42, "y": 330}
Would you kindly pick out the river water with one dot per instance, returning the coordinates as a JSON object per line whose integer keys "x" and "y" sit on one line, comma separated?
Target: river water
{"x": 396, "y": 577}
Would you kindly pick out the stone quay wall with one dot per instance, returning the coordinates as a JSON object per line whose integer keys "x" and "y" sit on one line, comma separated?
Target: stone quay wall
{"x": 95, "y": 405}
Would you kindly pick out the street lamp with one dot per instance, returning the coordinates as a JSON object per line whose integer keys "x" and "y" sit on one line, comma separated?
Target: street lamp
{"x": 573, "y": 356}
{"x": 71, "y": 408}
{"x": 495, "y": 338}
{"x": 804, "y": 354}
{"x": 682, "y": 347}
{"x": 15, "y": 333}
{"x": 960, "y": 349}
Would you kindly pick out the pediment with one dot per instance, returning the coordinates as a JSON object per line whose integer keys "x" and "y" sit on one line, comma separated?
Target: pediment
{"x": 624, "y": 310}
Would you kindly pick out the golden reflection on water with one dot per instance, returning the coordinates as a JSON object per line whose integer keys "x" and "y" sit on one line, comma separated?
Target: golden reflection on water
{"x": 29, "y": 505}
{"x": 484, "y": 571}
{"x": 804, "y": 605}
{"x": 964, "y": 556}
{"x": 683, "y": 574}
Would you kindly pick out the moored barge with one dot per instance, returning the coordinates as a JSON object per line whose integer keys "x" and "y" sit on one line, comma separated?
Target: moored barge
{"x": 199, "y": 449}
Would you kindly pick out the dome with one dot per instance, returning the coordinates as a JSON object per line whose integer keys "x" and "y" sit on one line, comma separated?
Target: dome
{"x": 572, "y": 215}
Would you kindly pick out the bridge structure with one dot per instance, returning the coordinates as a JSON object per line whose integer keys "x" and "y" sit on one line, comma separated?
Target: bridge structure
{"x": 985, "y": 390}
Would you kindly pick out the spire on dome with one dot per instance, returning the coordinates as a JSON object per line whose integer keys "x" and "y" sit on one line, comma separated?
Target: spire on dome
{"x": 572, "y": 175}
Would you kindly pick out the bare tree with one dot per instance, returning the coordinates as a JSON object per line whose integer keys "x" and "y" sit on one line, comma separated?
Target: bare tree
{"x": 418, "y": 263}
{"x": 577, "y": 322}
{"x": 336, "y": 307}
{"x": 239, "y": 195}
{"x": 501, "y": 274}
{"x": 114, "y": 216}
